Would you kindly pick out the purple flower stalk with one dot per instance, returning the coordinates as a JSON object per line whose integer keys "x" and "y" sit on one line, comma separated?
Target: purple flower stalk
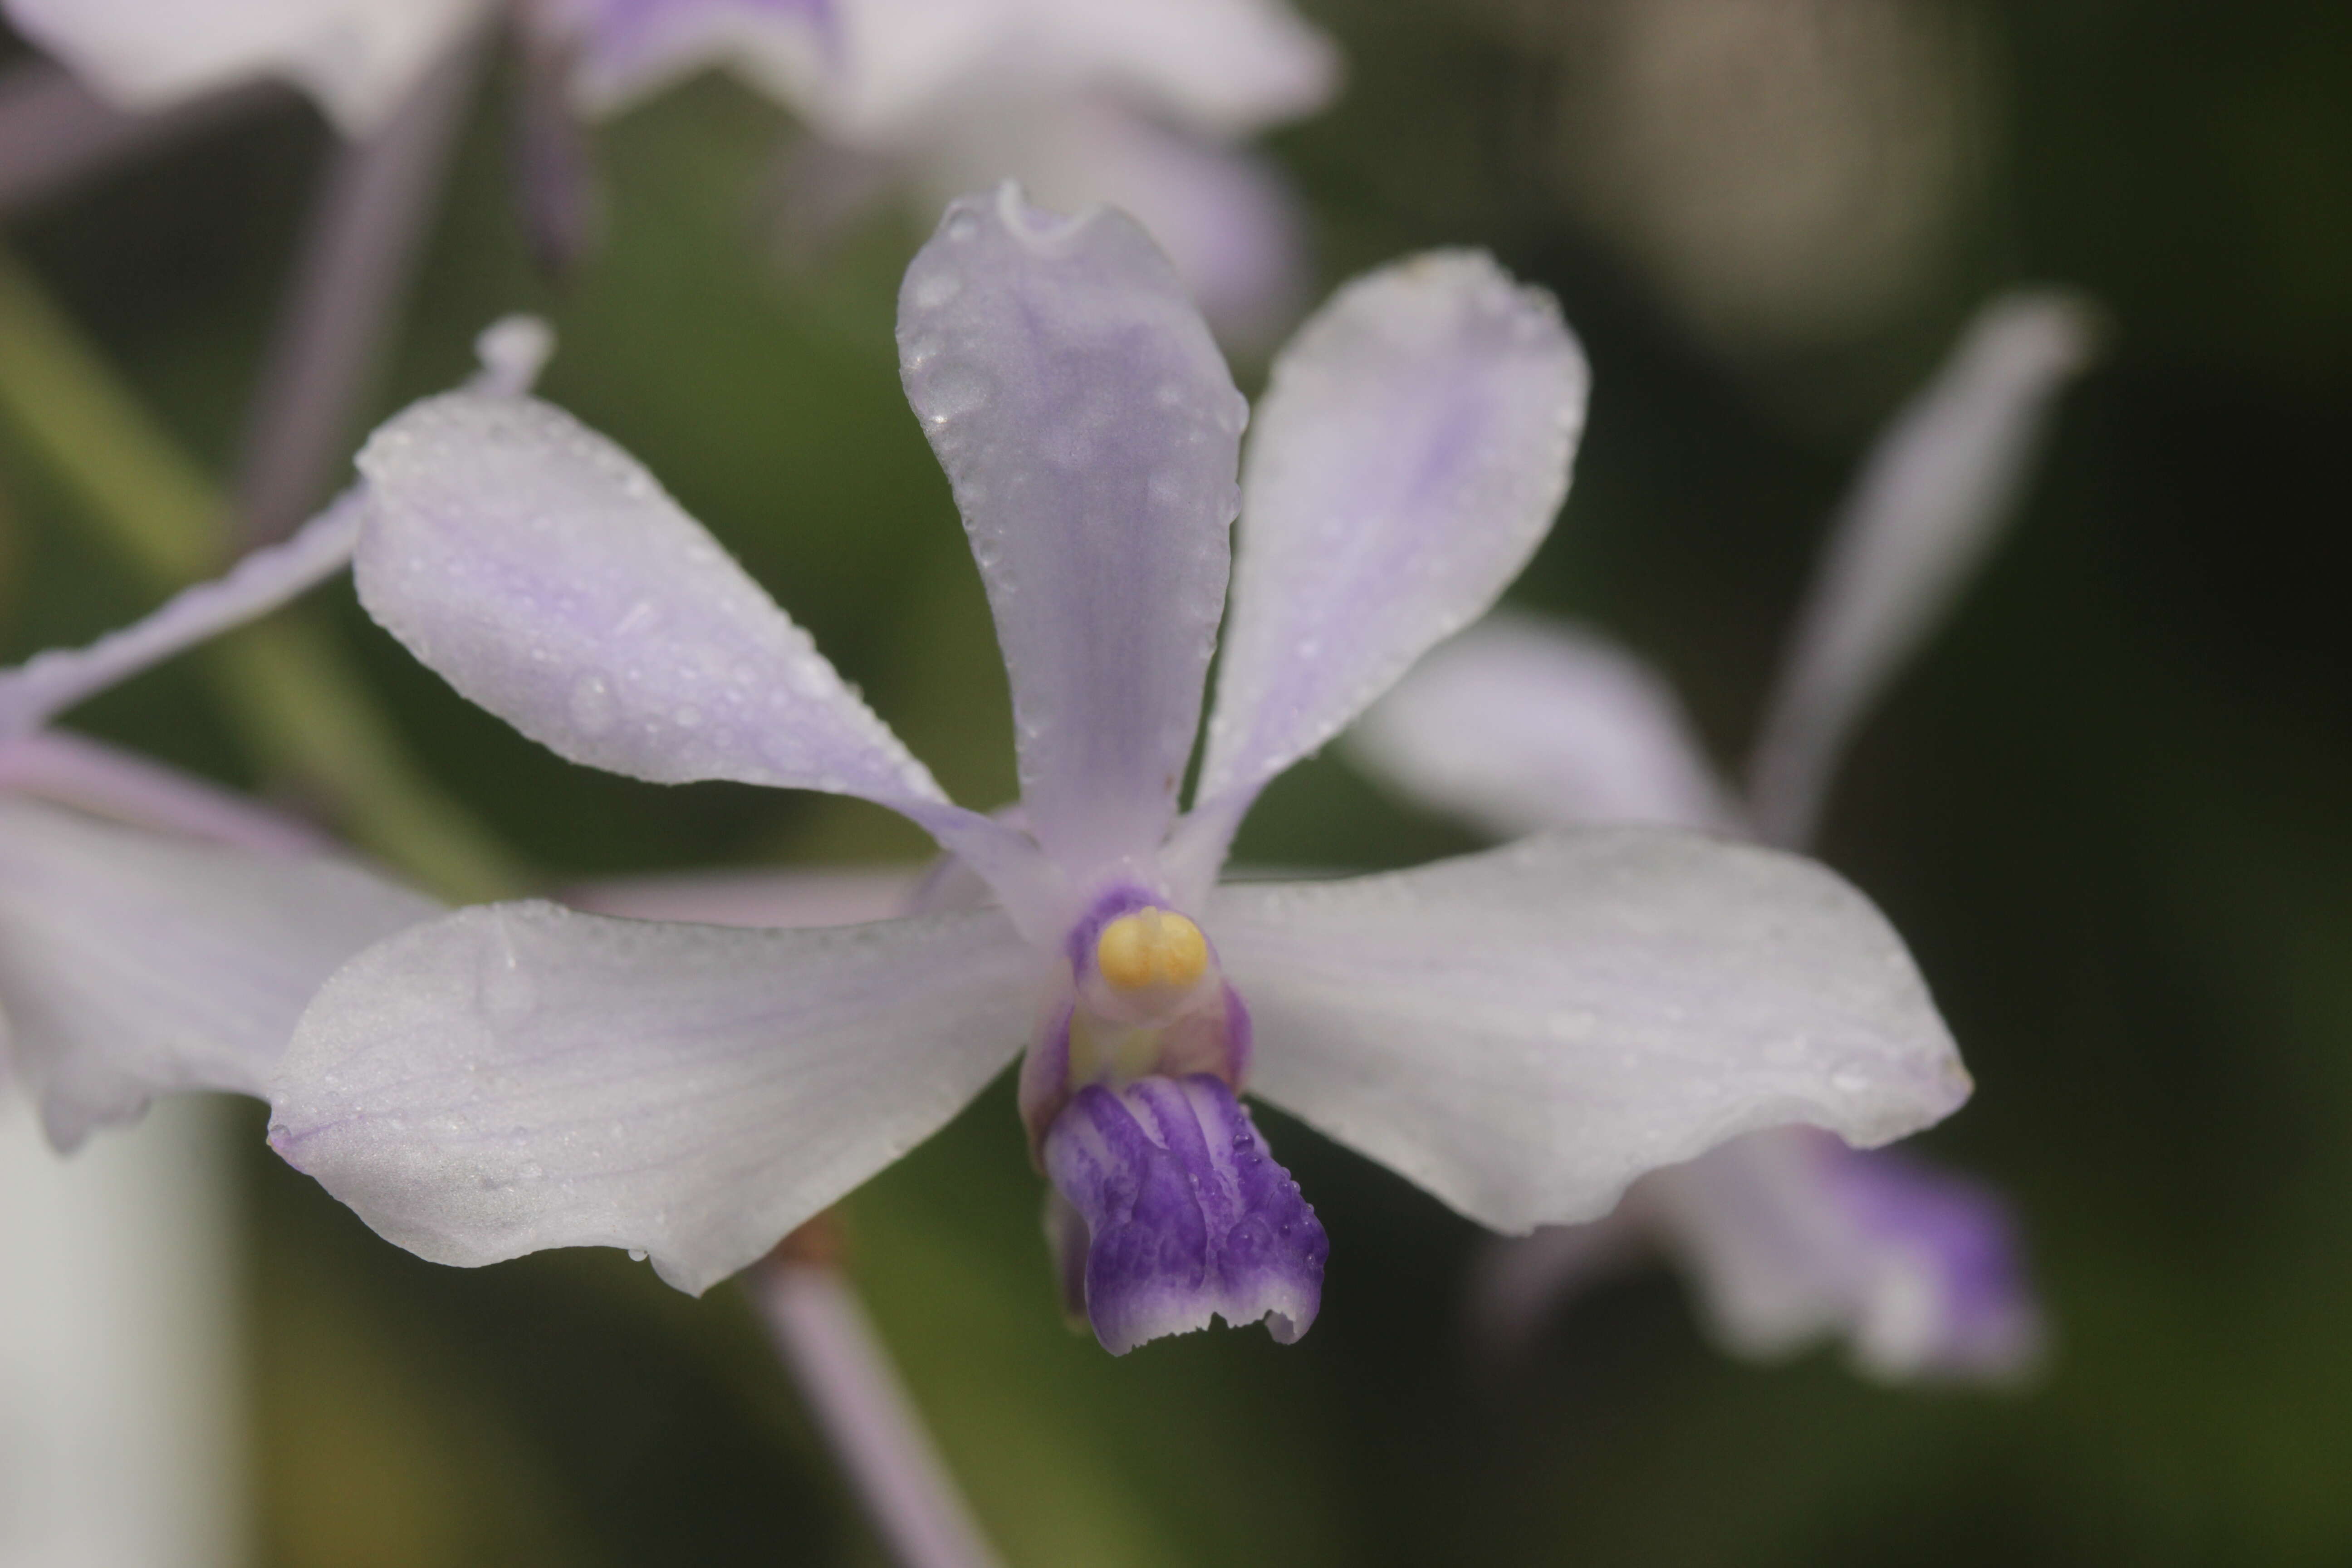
{"x": 1520, "y": 724}
{"x": 1521, "y": 1032}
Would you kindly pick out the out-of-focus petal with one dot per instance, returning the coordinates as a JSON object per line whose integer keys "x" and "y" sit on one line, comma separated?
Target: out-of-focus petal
{"x": 1521, "y": 724}
{"x": 625, "y": 50}
{"x": 889, "y": 73}
{"x": 1092, "y": 433}
{"x": 133, "y": 965}
{"x": 1223, "y": 216}
{"x": 1410, "y": 452}
{"x": 768, "y": 900}
{"x": 1225, "y": 67}
{"x": 122, "y": 786}
{"x": 1524, "y": 1032}
{"x": 1520, "y": 1281}
{"x": 1927, "y": 509}
{"x": 1189, "y": 1217}
{"x": 542, "y": 572}
{"x": 55, "y": 680}
{"x": 1792, "y": 1237}
{"x": 518, "y": 1076}
{"x": 358, "y": 58}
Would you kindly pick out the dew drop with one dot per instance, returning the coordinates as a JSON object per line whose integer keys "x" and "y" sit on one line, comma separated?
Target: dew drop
{"x": 637, "y": 1255}
{"x": 935, "y": 289}
{"x": 592, "y": 705}
{"x": 956, "y": 390}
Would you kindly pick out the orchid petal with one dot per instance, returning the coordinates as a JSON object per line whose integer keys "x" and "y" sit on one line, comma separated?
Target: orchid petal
{"x": 1524, "y": 1032}
{"x": 1091, "y": 432}
{"x": 1410, "y": 452}
{"x": 358, "y": 58}
{"x": 518, "y": 1076}
{"x": 1927, "y": 510}
{"x": 93, "y": 777}
{"x": 1521, "y": 724}
{"x": 133, "y": 965}
{"x": 885, "y": 70}
{"x": 1227, "y": 67}
{"x": 1792, "y": 1236}
{"x": 1223, "y": 216}
{"x": 542, "y": 572}
{"x": 629, "y": 49}
{"x": 55, "y": 680}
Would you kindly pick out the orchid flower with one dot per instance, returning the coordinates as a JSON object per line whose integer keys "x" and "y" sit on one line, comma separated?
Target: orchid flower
{"x": 1521, "y": 1033}
{"x": 361, "y": 60}
{"x": 1521, "y": 724}
{"x": 173, "y": 948}
{"x": 135, "y": 961}
{"x": 1141, "y": 105}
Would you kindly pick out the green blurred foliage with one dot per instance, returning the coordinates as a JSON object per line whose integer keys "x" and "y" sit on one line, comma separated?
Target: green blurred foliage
{"x": 2108, "y": 809}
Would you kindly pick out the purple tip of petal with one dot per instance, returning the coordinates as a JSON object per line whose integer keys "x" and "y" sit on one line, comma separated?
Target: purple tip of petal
{"x": 1188, "y": 1217}
{"x": 1963, "y": 1305}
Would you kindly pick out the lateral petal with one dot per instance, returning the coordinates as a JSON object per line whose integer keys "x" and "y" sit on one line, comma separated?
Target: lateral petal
{"x": 1523, "y": 1032}
{"x": 1408, "y": 454}
{"x": 518, "y": 1077}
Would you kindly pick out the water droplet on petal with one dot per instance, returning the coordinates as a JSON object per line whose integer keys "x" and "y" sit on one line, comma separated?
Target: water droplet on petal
{"x": 592, "y": 705}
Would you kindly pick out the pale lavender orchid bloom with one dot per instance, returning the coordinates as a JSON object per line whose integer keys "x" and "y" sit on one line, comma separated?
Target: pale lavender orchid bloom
{"x": 173, "y": 948}
{"x": 1144, "y": 106}
{"x": 1521, "y": 724}
{"x": 1521, "y": 1033}
{"x": 362, "y": 60}
{"x": 158, "y": 934}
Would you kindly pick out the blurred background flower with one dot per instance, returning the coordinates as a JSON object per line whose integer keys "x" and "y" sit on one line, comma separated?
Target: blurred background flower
{"x": 2107, "y": 808}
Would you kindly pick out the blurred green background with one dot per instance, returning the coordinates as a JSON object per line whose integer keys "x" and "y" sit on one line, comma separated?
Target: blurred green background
{"x": 2108, "y": 808}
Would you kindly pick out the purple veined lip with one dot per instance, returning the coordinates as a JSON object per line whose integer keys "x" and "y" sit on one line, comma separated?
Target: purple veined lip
{"x": 1188, "y": 1217}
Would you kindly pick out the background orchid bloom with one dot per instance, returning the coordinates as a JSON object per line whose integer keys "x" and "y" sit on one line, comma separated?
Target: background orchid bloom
{"x": 1141, "y": 105}
{"x": 361, "y": 60}
{"x": 173, "y": 947}
{"x": 1521, "y": 1033}
{"x": 157, "y": 932}
{"x": 1521, "y": 724}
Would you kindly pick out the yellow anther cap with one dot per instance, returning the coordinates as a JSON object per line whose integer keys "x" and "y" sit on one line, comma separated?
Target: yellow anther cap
{"x": 1151, "y": 948}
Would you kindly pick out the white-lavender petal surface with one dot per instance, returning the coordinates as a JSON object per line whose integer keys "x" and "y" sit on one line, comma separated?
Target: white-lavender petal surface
{"x": 1523, "y": 1032}
{"x": 1408, "y": 454}
{"x": 520, "y": 1076}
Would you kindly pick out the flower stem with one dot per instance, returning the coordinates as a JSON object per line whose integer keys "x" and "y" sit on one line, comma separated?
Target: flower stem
{"x": 843, "y": 1372}
{"x": 288, "y": 687}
